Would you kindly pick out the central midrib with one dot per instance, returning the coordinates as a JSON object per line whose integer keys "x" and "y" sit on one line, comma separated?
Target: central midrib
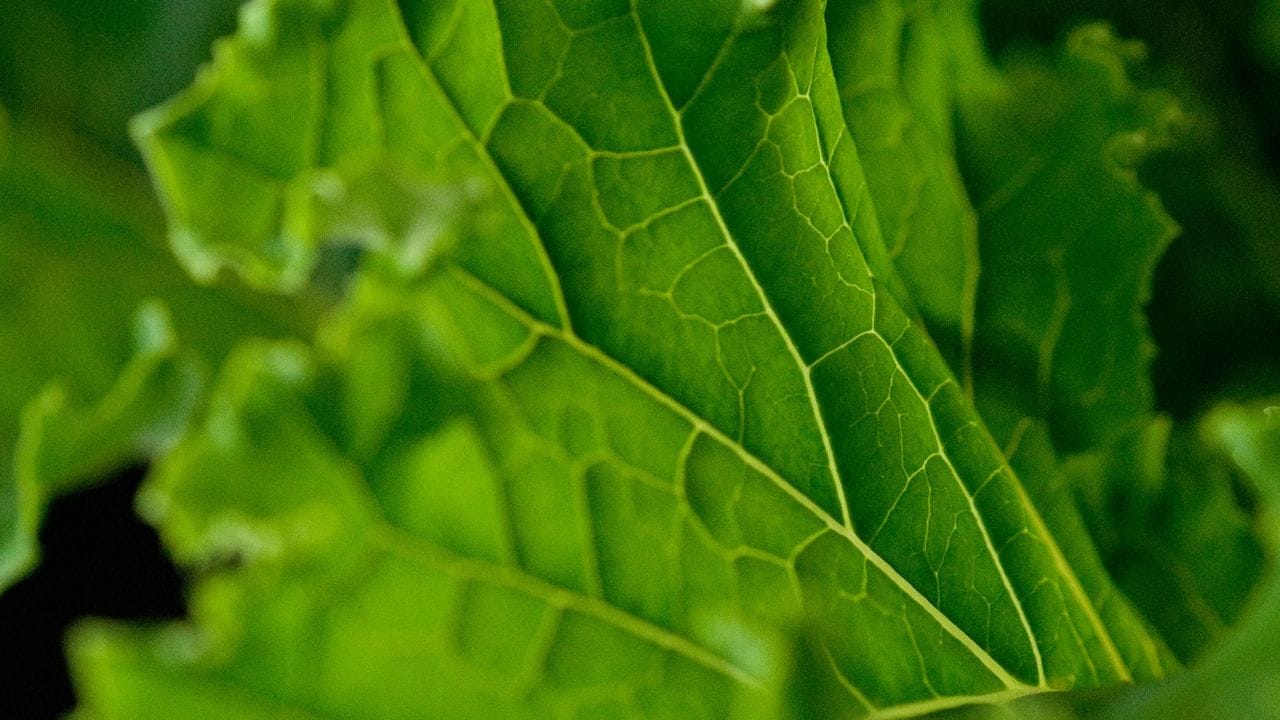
{"x": 812, "y": 396}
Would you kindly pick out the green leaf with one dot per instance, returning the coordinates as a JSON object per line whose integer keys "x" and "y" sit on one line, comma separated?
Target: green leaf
{"x": 91, "y": 380}
{"x": 79, "y": 258}
{"x": 1048, "y": 145}
{"x": 1217, "y": 181}
{"x": 359, "y": 598}
{"x": 1236, "y": 677}
{"x": 1045, "y": 133}
{"x": 1250, "y": 438}
{"x": 1069, "y": 240}
{"x": 58, "y": 446}
{"x": 1068, "y": 360}
{"x": 665, "y": 401}
{"x": 1167, "y": 513}
{"x": 898, "y": 72}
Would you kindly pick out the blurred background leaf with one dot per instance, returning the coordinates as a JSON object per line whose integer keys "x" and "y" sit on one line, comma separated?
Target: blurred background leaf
{"x": 1215, "y": 311}
{"x": 82, "y": 243}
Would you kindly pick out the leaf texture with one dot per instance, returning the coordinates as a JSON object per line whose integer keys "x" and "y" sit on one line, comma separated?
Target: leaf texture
{"x": 1236, "y": 676}
{"x": 1035, "y": 128}
{"x": 664, "y": 398}
{"x": 899, "y": 67}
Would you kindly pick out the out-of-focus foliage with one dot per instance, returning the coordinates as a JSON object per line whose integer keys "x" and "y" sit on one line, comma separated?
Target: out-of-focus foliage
{"x": 1217, "y": 308}
{"x": 650, "y": 359}
{"x": 96, "y": 373}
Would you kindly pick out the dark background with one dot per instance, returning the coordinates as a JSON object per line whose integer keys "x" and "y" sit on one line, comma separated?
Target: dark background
{"x": 99, "y": 559}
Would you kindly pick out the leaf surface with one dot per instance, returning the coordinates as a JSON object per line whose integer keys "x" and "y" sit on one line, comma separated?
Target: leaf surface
{"x": 666, "y": 398}
{"x": 1065, "y": 236}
